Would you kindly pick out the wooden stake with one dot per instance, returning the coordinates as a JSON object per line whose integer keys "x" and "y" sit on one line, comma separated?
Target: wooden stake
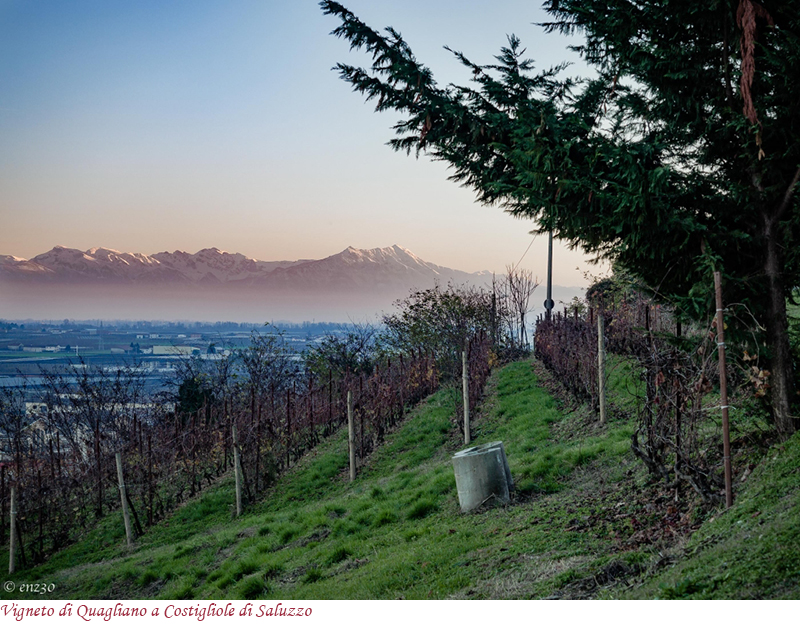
{"x": 2, "y": 502}
{"x": 258, "y": 447}
{"x": 678, "y": 424}
{"x": 125, "y": 512}
{"x": 237, "y": 470}
{"x": 312, "y": 441}
{"x": 361, "y": 414}
{"x": 12, "y": 541}
{"x": 41, "y": 510}
{"x": 601, "y": 365}
{"x": 288, "y": 426}
{"x": 723, "y": 392}
{"x": 99, "y": 470}
{"x": 351, "y": 435}
{"x": 150, "y": 510}
{"x": 329, "y": 425}
{"x": 465, "y": 392}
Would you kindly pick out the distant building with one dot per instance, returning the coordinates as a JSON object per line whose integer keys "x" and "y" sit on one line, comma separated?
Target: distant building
{"x": 35, "y": 408}
{"x": 174, "y": 350}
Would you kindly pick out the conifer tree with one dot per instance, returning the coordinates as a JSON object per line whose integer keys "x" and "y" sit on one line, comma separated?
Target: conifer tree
{"x": 680, "y": 157}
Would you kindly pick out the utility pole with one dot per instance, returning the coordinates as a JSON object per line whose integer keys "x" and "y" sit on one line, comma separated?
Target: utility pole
{"x": 548, "y": 303}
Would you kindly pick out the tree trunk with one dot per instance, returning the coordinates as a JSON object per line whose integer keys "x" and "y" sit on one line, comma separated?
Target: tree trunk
{"x": 782, "y": 374}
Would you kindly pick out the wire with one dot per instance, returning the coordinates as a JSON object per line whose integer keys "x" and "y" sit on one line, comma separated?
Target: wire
{"x": 524, "y": 253}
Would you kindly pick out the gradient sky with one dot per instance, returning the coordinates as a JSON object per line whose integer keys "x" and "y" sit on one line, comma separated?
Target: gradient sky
{"x": 148, "y": 126}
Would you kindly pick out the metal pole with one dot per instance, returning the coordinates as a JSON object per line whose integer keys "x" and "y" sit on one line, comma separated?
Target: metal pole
{"x": 351, "y": 435}
{"x": 123, "y": 495}
{"x": 548, "y": 303}
{"x": 465, "y": 392}
{"x": 723, "y": 392}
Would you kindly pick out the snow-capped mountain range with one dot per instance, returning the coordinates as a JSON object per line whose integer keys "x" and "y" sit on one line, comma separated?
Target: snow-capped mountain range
{"x": 383, "y": 269}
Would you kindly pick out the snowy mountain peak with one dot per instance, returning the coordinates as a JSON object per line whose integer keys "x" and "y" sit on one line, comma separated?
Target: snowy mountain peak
{"x": 104, "y": 251}
{"x": 373, "y": 269}
{"x": 214, "y": 251}
{"x": 377, "y": 253}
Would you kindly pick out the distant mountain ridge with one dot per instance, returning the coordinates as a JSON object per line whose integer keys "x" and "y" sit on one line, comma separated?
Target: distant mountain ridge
{"x": 381, "y": 269}
{"x": 213, "y": 285}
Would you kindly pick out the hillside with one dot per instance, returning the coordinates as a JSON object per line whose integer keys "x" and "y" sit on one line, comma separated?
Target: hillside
{"x": 584, "y": 523}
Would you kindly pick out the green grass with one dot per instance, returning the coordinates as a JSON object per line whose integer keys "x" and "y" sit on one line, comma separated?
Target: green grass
{"x": 625, "y": 386}
{"x": 752, "y": 550}
{"x": 397, "y": 531}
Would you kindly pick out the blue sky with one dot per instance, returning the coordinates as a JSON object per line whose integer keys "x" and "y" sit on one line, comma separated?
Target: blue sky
{"x": 149, "y": 126}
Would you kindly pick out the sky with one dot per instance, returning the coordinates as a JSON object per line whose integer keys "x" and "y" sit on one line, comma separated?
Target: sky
{"x": 149, "y": 126}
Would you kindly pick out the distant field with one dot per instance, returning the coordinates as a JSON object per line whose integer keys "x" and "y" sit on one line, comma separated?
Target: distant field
{"x": 31, "y": 356}
{"x": 6, "y": 356}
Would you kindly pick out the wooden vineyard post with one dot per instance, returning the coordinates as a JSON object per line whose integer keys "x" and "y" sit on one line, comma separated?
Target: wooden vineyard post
{"x": 150, "y": 510}
{"x": 12, "y": 540}
{"x": 123, "y": 495}
{"x": 2, "y": 502}
{"x": 465, "y": 392}
{"x": 237, "y": 470}
{"x": 52, "y": 460}
{"x": 99, "y": 470}
{"x": 351, "y": 435}
{"x": 402, "y": 386}
{"x": 361, "y": 414}
{"x": 288, "y": 426}
{"x": 312, "y": 437}
{"x": 329, "y": 425}
{"x": 723, "y": 392}
{"x": 258, "y": 448}
{"x": 601, "y": 365}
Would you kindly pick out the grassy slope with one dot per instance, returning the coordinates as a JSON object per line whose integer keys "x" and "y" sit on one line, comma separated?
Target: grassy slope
{"x": 751, "y": 551}
{"x": 574, "y": 529}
